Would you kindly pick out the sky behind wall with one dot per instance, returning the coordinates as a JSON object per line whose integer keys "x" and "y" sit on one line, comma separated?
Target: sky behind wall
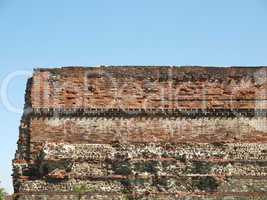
{"x": 134, "y": 32}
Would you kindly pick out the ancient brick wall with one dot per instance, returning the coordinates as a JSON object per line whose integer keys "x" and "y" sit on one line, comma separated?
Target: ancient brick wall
{"x": 143, "y": 133}
{"x": 139, "y": 87}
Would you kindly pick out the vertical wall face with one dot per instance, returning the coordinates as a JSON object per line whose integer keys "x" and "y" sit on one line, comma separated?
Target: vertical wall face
{"x": 143, "y": 133}
{"x": 187, "y": 88}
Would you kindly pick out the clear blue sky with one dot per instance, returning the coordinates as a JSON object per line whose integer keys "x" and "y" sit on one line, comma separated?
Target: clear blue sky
{"x": 140, "y": 32}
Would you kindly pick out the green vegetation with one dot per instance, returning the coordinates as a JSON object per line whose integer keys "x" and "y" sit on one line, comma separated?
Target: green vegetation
{"x": 2, "y": 194}
{"x": 148, "y": 166}
{"x": 81, "y": 190}
{"x": 201, "y": 167}
{"x": 123, "y": 168}
{"x": 208, "y": 184}
{"x": 127, "y": 197}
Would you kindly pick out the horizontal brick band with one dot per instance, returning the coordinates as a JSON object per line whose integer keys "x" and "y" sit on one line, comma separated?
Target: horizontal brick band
{"x": 180, "y": 194}
{"x": 133, "y": 112}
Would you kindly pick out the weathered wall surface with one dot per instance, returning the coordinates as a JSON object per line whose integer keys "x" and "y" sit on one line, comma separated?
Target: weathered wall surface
{"x": 143, "y": 129}
{"x": 137, "y": 87}
{"x": 143, "y": 133}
